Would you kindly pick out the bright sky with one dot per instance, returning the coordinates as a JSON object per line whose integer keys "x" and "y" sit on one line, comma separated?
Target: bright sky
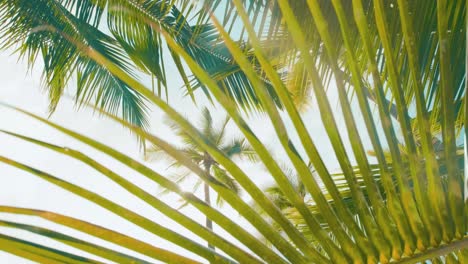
{"x": 21, "y": 189}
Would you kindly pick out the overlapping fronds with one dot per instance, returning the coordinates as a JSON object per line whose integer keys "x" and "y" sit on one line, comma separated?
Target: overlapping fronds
{"x": 51, "y": 30}
{"x": 401, "y": 58}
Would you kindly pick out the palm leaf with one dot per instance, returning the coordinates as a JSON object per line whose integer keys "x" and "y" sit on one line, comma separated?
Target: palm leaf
{"x": 406, "y": 208}
{"x": 49, "y": 29}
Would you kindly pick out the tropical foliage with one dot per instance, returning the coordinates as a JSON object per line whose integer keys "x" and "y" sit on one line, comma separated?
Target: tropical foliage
{"x": 61, "y": 33}
{"x": 402, "y": 55}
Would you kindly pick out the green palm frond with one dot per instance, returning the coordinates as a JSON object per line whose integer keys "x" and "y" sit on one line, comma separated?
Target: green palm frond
{"x": 278, "y": 40}
{"x": 78, "y": 243}
{"x": 145, "y": 47}
{"x": 48, "y": 29}
{"x": 396, "y": 70}
{"x": 97, "y": 231}
{"x": 52, "y": 30}
{"x": 201, "y": 41}
{"x": 344, "y": 189}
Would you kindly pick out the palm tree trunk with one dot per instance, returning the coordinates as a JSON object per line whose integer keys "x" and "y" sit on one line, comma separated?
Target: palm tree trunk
{"x": 209, "y": 223}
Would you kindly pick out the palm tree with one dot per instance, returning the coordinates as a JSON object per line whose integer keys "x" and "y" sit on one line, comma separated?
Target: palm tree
{"x": 236, "y": 148}
{"x": 419, "y": 212}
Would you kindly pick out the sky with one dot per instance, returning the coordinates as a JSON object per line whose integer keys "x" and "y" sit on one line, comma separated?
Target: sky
{"x": 23, "y": 88}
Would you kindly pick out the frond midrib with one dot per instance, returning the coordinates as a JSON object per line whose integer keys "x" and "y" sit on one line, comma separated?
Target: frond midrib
{"x": 436, "y": 252}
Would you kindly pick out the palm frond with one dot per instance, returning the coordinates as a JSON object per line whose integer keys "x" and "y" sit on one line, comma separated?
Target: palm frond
{"x": 77, "y": 243}
{"x": 399, "y": 57}
{"x": 49, "y": 29}
{"x": 101, "y": 232}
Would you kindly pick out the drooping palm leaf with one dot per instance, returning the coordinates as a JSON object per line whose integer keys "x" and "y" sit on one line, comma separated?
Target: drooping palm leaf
{"x": 49, "y": 29}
